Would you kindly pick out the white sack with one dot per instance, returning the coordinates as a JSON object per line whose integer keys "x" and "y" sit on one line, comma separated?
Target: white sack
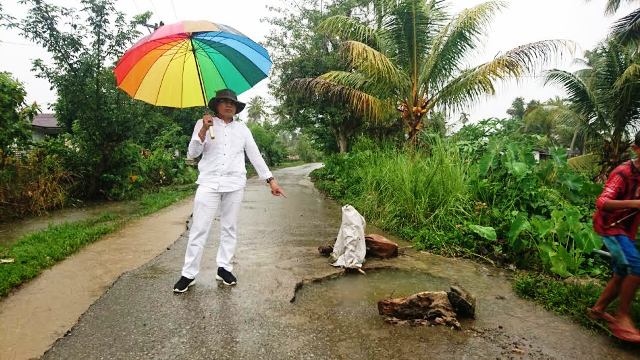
{"x": 350, "y": 249}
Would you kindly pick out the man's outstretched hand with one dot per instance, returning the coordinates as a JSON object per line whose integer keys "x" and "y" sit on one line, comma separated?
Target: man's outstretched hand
{"x": 276, "y": 190}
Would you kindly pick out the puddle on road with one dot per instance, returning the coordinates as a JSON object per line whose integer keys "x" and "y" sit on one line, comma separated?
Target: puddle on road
{"x": 343, "y": 311}
{"x": 355, "y": 290}
{"x": 346, "y": 308}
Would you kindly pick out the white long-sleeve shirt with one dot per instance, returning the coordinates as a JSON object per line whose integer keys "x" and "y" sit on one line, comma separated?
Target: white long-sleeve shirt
{"x": 222, "y": 165}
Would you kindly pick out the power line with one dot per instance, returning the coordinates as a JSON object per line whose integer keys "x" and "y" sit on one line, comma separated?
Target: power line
{"x": 17, "y": 43}
{"x": 174, "y": 9}
{"x": 155, "y": 9}
{"x": 135, "y": 4}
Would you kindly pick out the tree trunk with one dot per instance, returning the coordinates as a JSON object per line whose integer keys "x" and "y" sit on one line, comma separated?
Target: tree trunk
{"x": 415, "y": 126}
{"x": 413, "y": 136}
{"x": 613, "y": 153}
{"x": 342, "y": 141}
{"x": 94, "y": 189}
{"x": 619, "y": 149}
{"x": 573, "y": 140}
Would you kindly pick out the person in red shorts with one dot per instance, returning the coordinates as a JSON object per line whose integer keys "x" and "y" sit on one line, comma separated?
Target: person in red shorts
{"x": 616, "y": 219}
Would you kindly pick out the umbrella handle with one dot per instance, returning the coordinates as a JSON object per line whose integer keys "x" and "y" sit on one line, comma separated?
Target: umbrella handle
{"x": 211, "y": 135}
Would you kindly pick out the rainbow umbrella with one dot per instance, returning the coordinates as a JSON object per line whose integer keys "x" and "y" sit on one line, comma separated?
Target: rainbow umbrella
{"x": 184, "y": 64}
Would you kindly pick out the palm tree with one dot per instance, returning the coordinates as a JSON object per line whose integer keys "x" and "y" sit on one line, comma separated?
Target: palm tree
{"x": 413, "y": 60}
{"x": 606, "y": 97}
{"x": 568, "y": 123}
{"x": 613, "y": 5}
{"x": 256, "y": 110}
{"x": 626, "y": 29}
{"x": 556, "y": 120}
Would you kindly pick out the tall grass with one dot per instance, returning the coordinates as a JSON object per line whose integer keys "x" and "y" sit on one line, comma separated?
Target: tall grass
{"x": 420, "y": 194}
{"x": 32, "y": 185}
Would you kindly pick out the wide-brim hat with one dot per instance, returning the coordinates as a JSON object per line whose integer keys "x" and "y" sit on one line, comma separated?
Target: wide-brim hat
{"x": 226, "y": 94}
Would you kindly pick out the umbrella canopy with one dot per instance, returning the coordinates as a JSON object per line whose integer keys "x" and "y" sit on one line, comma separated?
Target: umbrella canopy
{"x": 184, "y": 64}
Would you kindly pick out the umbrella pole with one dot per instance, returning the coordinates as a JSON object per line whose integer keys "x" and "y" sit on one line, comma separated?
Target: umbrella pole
{"x": 204, "y": 98}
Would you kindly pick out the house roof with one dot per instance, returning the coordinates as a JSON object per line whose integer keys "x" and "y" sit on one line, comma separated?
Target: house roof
{"x": 47, "y": 121}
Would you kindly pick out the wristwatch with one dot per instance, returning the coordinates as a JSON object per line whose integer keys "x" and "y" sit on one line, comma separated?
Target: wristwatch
{"x": 269, "y": 180}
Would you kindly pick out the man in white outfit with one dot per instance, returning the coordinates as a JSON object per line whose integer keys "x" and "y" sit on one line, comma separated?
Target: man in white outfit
{"x": 222, "y": 143}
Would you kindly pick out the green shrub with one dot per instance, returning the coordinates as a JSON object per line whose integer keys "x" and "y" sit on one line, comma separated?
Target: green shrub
{"x": 33, "y": 184}
{"x": 305, "y": 150}
{"x": 481, "y": 193}
{"x": 272, "y": 148}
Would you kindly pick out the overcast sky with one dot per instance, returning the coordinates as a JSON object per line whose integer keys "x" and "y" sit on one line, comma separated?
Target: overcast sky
{"x": 522, "y": 22}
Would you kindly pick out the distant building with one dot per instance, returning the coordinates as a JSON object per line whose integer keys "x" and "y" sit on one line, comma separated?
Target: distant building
{"x": 541, "y": 154}
{"x": 44, "y": 125}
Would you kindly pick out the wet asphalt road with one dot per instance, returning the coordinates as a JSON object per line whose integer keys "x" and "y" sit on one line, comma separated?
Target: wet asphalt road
{"x": 140, "y": 318}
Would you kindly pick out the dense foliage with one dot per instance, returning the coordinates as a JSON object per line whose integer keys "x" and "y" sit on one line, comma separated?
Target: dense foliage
{"x": 112, "y": 147}
{"x": 480, "y": 193}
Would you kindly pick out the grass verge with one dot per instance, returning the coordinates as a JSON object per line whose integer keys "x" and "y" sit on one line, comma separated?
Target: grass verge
{"x": 566, "y": 298}
{"x": 38, "y": 251}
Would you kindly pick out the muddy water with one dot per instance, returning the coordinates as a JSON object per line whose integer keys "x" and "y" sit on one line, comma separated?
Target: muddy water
{"x": 45, "y": 308}
{"x": 504, "y": 328}
{"x": 13, "y": 230}
{"x": 360, "y": 294}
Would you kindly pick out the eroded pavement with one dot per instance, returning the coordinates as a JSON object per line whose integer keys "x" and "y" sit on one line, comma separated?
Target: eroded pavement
{"x": 139, "y": 317}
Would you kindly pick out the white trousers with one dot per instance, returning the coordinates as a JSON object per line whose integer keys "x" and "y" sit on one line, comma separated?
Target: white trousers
{"x": 205, "y": 205}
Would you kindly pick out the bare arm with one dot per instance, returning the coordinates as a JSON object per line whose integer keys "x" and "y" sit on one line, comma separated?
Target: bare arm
{"x": 611, "y": 204}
